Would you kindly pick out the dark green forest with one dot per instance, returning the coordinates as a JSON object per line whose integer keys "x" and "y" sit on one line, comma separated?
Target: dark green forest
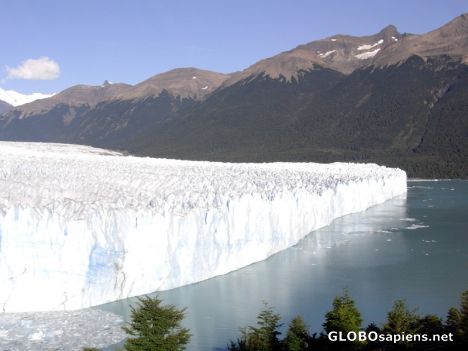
{"x": 157, "y": 327}
{"x": 413, "y": 115}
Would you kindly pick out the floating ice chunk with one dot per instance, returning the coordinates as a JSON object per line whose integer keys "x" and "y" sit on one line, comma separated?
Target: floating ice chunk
{"x": 333, "y": 39}
{"x": 416, "y": 226}
{"x": 383, "y": 231}
{"x": 194, "y": 77}
{"x": 429, "y": 241}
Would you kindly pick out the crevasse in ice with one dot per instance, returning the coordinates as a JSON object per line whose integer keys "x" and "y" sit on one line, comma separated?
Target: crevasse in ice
{"x": 81, "y": 226}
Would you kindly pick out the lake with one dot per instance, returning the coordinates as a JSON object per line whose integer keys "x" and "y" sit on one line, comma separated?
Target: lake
{"x": 413, "y": 247}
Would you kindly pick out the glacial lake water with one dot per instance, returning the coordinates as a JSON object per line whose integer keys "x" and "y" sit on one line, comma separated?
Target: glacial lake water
{"x": 413, "y": 247}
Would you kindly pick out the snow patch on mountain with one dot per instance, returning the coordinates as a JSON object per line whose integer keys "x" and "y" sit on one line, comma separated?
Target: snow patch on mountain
{"x": 368, "y": 46}
{"x": 81, "y": 226}
{"x": 16, "y": 99}
{"x": 367, "y": 55}
{"x": 328, "y": 53}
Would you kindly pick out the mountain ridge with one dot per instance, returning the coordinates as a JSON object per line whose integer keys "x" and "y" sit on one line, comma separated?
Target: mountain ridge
{"x": 191, "y": 83}
{"x": 340, "y": 52}
{"x": 403, "y": 104}
{"x": 14, "y": 98}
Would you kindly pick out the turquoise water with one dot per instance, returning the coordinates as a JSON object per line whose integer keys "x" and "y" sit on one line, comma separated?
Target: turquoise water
{"x": 413, "y": 247}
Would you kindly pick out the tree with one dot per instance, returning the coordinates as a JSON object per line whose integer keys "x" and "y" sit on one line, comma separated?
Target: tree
{"x": 400, "y": 319}
{"x": 464, "y": 315}
{"x": 240, "y": 344}
{"x": 297, "y": 338}
{"x": 154, "y": 327}
{"x": 376, "y": 344}
{"x": 344, "y": 316}
{"x": 263, "y": 337}
{"x": 453, "y": 321}
{"x": 430, "y": 324}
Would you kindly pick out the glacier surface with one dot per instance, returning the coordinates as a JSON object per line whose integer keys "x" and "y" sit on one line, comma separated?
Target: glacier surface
{"x": 81, "y": 226}
{"x": 59, "y": 331}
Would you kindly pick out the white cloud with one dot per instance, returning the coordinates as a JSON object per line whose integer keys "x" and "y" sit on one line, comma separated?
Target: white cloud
{"x": 41, "y": 68}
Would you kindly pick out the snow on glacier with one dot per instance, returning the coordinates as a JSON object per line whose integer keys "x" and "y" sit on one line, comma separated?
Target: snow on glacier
{"x": 81, "y": 226}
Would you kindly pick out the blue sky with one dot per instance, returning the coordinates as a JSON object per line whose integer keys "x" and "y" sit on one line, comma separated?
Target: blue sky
{"x": 70, "y": 42}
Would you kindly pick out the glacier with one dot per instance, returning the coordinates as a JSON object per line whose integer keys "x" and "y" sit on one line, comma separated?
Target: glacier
{"x": 60, "y": 330}
{"x": 81, "y": 226}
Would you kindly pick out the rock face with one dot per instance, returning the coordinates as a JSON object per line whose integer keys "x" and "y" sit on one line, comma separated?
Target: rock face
{"x": 82, "y": 226}
{"x": 396, "y": 99}
{"x": 345, "y": 53}
{"x": 342, "y": 53}
{"x": 449, "y": 40}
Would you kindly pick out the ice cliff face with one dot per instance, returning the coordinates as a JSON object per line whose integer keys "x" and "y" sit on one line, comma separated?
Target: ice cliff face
{"x": 82, "y": 226}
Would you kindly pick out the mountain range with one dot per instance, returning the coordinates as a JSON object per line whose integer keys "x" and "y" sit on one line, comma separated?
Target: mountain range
{"x": 13, "y": 98}
{"x": 391, "y": 98}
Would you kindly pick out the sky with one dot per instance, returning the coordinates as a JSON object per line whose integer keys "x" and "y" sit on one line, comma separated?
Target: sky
{"x": 50, "y": 45}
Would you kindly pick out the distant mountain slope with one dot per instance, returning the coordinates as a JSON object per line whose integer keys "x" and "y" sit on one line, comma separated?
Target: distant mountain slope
{"x": 413, "y": 115}
{"x": 399, "y": 100}
{"x": 4, "y": 106}
{"x": 342, "y": 53}
{"x": 450, "y": 39}
{"x": 185, "y": 83}
{"x": 14, "y": 98}
{"x": 190, "y": 83}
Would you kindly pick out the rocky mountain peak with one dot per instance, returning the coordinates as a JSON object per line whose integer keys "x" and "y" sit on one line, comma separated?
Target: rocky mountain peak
{"x": 106, "y": 83}
{"x": 389, "y": 30}
{"x": 343, "y": 53}
{"x": 186, "y": 82}
{"x": 451, "y": 39}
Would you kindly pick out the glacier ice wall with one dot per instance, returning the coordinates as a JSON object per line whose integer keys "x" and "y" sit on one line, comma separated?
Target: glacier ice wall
{"x": 81, "y": 226}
